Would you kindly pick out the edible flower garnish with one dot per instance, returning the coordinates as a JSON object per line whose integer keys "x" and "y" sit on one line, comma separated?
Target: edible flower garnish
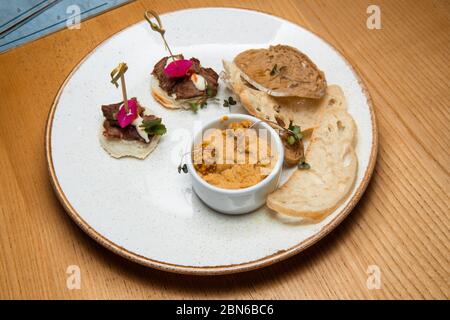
{"x": 154, "y": 127}
{"x": 178, "y": 68}
{"x": 125, "y": 118}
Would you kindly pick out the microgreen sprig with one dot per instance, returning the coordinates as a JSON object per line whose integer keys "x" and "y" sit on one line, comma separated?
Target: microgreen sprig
{"x": 304, "y": 166}
{"x": 183, "y": 168}
{"x": 295, "y": 134}
{"x": 229, "y": 102}
{"x": 203, "y": 101}
{"x": 291, "y": 132}
{"x": 196, "y": 105}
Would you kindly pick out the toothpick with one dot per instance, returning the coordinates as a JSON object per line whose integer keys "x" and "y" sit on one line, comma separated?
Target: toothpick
{"x": 119, "y": 72}
{"x": 158, "y": 28}
{"x": 124, "y": 92}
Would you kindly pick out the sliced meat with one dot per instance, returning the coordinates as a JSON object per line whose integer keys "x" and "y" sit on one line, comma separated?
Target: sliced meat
{"x": 165, "y": 82}
{"x": 127, "y": 133}
{"x": 184, "y": 88}
{"x": 110, "y": 111}
{"x": 211, "y": 78}
{"x": 112, "y": 128}
{"x": 149, "y": 117}
{"x": 195, "y": 68}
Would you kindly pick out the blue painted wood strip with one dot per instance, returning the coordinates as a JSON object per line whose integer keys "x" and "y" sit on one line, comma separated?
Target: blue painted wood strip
{"x": 51, "y": 20}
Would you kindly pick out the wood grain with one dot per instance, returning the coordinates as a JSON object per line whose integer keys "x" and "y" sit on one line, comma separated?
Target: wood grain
{"x": 401, "y": 224}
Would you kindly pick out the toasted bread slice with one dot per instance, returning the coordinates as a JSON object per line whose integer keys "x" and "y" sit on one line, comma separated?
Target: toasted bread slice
{"x": 318, "y": 191}
{"x": 302, "y": 112}
{"x": 282, "y": 71}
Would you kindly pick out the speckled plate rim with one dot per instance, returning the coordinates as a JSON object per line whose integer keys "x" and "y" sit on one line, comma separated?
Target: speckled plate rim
{"x": 222, "y": 269}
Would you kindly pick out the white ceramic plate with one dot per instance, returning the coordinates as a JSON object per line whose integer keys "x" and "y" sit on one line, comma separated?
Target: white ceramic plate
{"x": 146, "y": 211}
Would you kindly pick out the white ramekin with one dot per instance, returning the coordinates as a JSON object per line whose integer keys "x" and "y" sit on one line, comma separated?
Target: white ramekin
{"x": 236, "y": 201}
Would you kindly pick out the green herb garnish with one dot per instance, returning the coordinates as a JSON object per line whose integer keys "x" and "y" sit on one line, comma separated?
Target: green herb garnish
{"x": 182, "y": 168}
{"x": 295, "y": 134}
{"x": 194, "y": 106}
{"x": 229, "y": 102}
{"x": 154, "y": 127}
{"x": 304, "y": 166}
{"x": 291, "y": 140}
{"x": 276, "y": 71}
{"x": 200, "y": 104}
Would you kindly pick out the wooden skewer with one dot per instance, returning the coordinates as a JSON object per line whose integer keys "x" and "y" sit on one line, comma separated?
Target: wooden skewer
{"x": 158, "y": 28}
{"x": 119, "y": 72}
{"x": 124, "y": 93}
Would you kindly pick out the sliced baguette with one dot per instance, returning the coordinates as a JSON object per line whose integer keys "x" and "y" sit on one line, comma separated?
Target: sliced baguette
{"x": 282, "y": 71}
{"x": 301, "y": 111}
{"x": 318, "y": 191}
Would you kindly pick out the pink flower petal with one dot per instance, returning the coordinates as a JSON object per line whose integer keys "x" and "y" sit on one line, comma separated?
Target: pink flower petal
{"x": 178, "y": 68}
{"x": 125, "y": 118}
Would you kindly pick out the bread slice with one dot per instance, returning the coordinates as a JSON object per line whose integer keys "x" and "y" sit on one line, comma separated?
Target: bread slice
{"x": 318, "y": 191}
{"x": 282, "y": 71}
{"x": 118, "y": 148}
{"x": 301, "y": 111}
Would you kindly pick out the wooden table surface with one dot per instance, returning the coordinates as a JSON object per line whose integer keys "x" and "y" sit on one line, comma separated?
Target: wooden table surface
{"x": 400, "y": 225}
